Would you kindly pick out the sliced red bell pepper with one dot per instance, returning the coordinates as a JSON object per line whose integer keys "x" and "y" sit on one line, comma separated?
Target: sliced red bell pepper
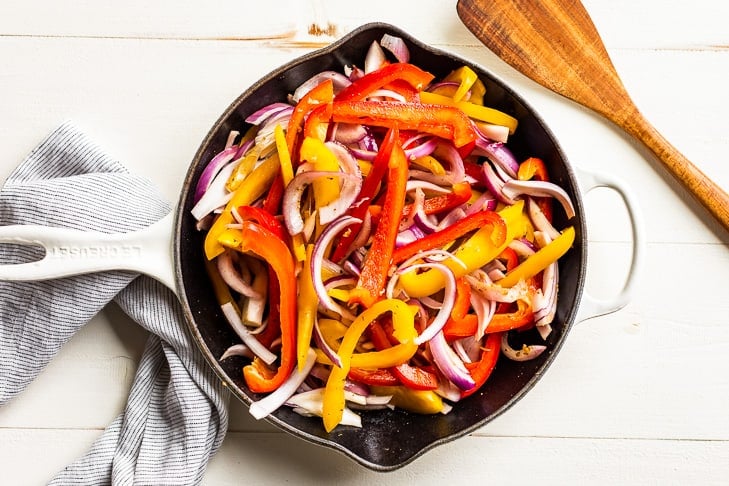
{"x": 272, "y": 201}
{"x": 320, "y": 94}
{"x": 534, "y": 168}
{"x": 467, "y": 326}
{"x": 378, "y": 377}
{"x": 411, "y": 376}
{"x": 253, "y": 237}
{"x": 391, "y": 73}
{"x": 461, "y": 193}
{"x": 372, "y": 279}
{"x": 366, "y": 195}
{"x": 264, "y": 218}
{"x": 443, "y": 121}
{"x": 481, "y": 370}
{"x": 316, "y": 124}
{"x": 450, "y": 233}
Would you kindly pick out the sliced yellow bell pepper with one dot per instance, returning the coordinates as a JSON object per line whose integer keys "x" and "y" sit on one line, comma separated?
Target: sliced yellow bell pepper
{"x": 249, "y": 190}
{"x": 475, "y": 252}
{"x": 307, "y": 303}
{"x": 403, "y": 318}
{"x": 541, "y": 259}
{"x": 326, "y": 189}
{"x": 417, "y": 401}
{"x": 468, "y": 80}
{"x": 430, "y": 163}
{"x": 287, "y": 171}
{"x": 472, "y": 110}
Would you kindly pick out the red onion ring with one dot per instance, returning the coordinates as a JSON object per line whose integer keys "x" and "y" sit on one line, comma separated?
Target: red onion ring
{"x": 231, "y": 315}
{"x": 515, "y": 188}
{"x": 396, "y": 46}
{"x": 526, "y": 353}
{"x": 449, "y": 363}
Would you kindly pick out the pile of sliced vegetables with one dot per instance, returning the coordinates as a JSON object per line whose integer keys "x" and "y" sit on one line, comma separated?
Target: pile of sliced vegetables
{"x": 373, "y": 242}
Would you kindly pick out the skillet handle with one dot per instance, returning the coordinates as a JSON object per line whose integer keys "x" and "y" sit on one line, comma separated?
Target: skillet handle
{"x": 590, "y": 306}
{"x": 71, "y": 252}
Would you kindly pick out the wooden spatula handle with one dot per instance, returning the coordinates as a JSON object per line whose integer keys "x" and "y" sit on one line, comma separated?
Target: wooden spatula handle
{"x": 705, "y": 191}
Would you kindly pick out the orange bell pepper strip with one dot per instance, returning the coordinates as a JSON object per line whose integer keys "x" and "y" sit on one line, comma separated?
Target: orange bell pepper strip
{"x": 378, "y": 376}
{"x": 372, "y": 279}
{"x": 458, "y": 328}
{"x": 319, "y": 95}
{"x": 366, "y": 194}
{"x": 481, "y": 370}
{"x": 413, "y": 377}
{"x": 256, "y": 239}
{"x": 440, "y": 120}
{"x": 390, "y": 73}
{"x": 441, "y": 238}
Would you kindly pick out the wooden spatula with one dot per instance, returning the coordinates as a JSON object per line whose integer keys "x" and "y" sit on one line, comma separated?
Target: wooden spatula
{"x": 555, "y": 43}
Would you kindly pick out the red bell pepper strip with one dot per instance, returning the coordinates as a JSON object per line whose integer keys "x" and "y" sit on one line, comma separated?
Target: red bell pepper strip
{"x": 366, "y": 194}
{"x": 320, "y": 94}
{"x": 460, "y": 194}
{"x": 450, "y": 233}
{"x": 314, "y": 126}
{"x": 264, "y": 218}
{"x": 378, "y": 377}
{"x": 391, "y": 73}
{"x": 534, "y": 168}
{"x": 467, "y": 326}
{"x": 481, "y": 369}
{"x": 253, "y": 237}
{"x": 411, "y": 376}
{"x": 372, "y": 279}
{"x": 272, "y": 201}
{"x": 443, "y": 121}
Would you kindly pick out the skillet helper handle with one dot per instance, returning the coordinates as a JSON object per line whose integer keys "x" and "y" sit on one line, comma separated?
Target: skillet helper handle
{"x": 70, "y": 252}
{"x": 593, "y": 307}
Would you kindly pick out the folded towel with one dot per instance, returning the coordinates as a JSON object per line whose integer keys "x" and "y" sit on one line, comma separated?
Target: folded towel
{"x": 176, "y": 415}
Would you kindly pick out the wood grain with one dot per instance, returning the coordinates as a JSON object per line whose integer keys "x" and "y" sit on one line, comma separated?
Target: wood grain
{"x": 555, "y": 43}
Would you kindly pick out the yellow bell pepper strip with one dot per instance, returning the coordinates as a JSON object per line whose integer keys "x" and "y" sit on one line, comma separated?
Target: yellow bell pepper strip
{"x": 450, "y": 233}
{"x": 366, "y": 194}
{"x": 371, "y": 283}
{"x": 477, "y": 112}
{"x": 481, "y": 370}
{"x": 220, "y": 288}
{"x": 314, "y": 151}
{"x": 424, "y": 402}
{"x": 361, "y": 88}
{"x": 403, "y": 319}
{"x": 541, "y": 259}
{"x": 255, "y": 238}
{"x": 284, "y": 157}
{"x": 243, "y": 169}
{"x": 468, "y": 81}
{"x": 443, "y": 121}
{"x": 307, "y": 305}
{"x": 474, "y": 253}
{"x": 411, "y": 376}
{"x": 249, "y": 190}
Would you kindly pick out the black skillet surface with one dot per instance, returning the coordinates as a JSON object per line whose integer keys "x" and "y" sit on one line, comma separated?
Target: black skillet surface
{"x": 388, "y": 439}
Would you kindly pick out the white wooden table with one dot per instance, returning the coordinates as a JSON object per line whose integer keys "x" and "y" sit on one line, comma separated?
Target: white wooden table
{"x": 637, "y": 397}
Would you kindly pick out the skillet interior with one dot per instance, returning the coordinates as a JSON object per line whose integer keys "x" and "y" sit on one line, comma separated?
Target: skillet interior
{"x": 388, "y": 439}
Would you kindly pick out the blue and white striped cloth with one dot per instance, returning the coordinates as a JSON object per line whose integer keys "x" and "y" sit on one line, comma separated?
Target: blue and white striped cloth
{"x": 176, "y": 415}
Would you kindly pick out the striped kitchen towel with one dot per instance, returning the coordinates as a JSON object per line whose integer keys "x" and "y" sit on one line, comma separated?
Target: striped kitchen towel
{"x": 176, "y": 415}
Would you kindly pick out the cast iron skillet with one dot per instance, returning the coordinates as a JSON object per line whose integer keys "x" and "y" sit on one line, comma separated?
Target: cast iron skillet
{"x": 172, "y": 251}
{"x": 387, "y": 439}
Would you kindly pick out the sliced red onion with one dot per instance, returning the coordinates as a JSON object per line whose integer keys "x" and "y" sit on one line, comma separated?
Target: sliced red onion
{"x": 243, "y": 148}
{"x": 485, "y": 310}
{"x": 445, "y": 151}
{"x": 495, "y": 184}
{"x": 526, "y": 353}
{"x": 421, "y": 150}
{"x": 317, "y": 257}
{"x": 269, "y": 404}
{"x": 216, "y": 195}
{"x": 340, "y": 81}
{"x": 350, "y": 184}
{"x": 515, "y": 188}
{"x": 378, "y": 94}
{"x": 408, "y": 236}
{"x": 237, "y": 350}
{"x": 211, "y": 171}
{"x": 351, "y": 268}
{"x": 523, "y": 247}
{"x": 539, "y": 220}
{"x": 295, "y": 190}
{"x": 447, "y": 389}
{"x": 397, "y": 46}
{"x": 499, "y": 154}
{"x": 426, "y": 186}
{"x": 545, "y": 299}
{"x": 452, "y": 217}
{"x": 349, "y": 133}
{"x": 449, "y": 299}
{"x": 255, "y": 307}
{"x": 310, "y": 404}
{"x": 449, "y": 363}
{"x": 374, "y": 59}
{"x": 495, "y": 133}
{"x": 232, "y": 135}
{"x": 233, "y": 277}
{"x": 231, "y": 314}
{"x": 261, "y": 115}
{"x": 481, "y": 283}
